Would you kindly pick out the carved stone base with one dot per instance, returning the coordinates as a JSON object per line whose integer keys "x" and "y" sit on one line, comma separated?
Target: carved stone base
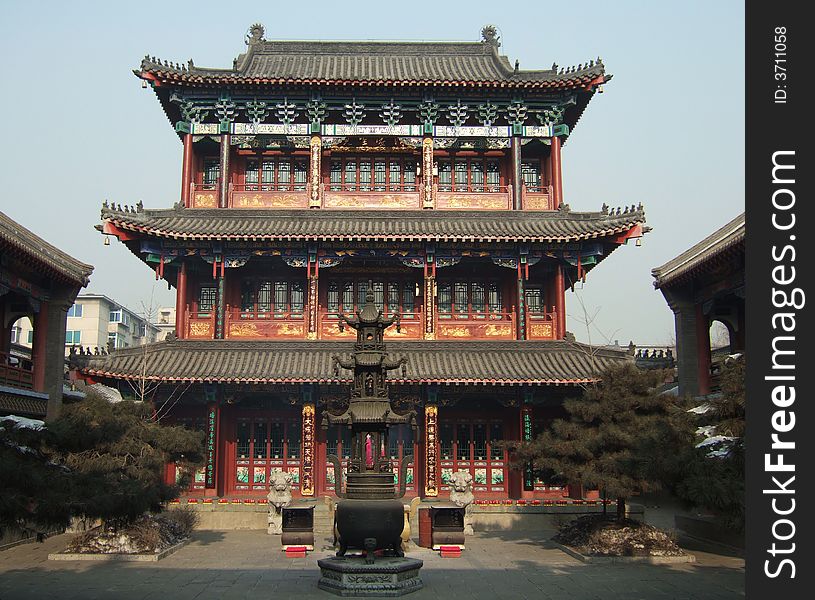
{"x": 386, "y": 577}
{"x": 275, "y": 522}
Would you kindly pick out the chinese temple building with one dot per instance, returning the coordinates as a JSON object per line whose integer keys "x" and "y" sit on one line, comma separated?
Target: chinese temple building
{"x": 38, "y": 281}
{"x": 702, "y": 285}
{"x": 315, "y": 172}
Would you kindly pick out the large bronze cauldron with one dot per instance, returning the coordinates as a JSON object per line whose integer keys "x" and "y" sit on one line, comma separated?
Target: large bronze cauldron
{"x": 370, "y": 524}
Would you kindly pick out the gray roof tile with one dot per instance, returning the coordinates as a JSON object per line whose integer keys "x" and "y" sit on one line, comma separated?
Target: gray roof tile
{"x": 723, "y": 239}
{"x": 239, "y": 224}
{"x": 33, "y": 248}
{"x": 512, "y": 362}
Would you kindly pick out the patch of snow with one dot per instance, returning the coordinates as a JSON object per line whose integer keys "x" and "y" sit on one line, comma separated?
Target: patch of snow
{"x": 701, "y": 409}
{"x": 716, "y": 439}
{"x": 706, "y": 431}
{"x": 24, "y": 422}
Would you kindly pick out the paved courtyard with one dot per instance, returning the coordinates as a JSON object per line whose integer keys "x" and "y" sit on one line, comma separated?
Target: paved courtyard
{"x": 249, "y": 564}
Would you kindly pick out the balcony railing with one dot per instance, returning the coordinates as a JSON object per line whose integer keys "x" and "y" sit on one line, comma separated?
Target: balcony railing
{"x": 411, "y": 326}
{"x": 361, "y": 196}
{"x": 199, "y": 323}
{"x": 13, "y": 373}
{"x": 266, "y": 195}
{"x": 204, "y": 195}
{"x": 478, "y": 197}
{"x": 259, "y": 323}
{"x": 478, "y": 325}
{"x": 364, "y": 196}
{"x": 537, "y": 198}
{"x": 541, "y": 325}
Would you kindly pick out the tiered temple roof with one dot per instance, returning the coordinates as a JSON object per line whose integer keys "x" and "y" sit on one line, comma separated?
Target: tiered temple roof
{"x": 470, "y": 362}
{"x": 407, "y": 225}
{"x": 477, "y": 64}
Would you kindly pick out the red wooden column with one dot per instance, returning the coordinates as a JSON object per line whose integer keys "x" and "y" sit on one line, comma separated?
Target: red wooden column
{"x": 38, "y": 348}
{"x": 703, "y": 350}
{"x": 186, "y": 171}
{"x": 181, "y": 301}
{"x": 557, "y": 173}
{"x": 560, "y": 303}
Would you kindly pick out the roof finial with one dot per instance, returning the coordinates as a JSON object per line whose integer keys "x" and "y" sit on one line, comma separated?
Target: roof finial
{"x": 517, "y": 65}
{"x": 256, "y": 33}
{"x": 489, "y": 35}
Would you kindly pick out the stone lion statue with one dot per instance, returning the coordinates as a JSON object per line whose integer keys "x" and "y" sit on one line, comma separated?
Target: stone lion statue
{"x": 461, "y": 488}
{"x": 278, "y": 497}
{"x": 461, "y": 494}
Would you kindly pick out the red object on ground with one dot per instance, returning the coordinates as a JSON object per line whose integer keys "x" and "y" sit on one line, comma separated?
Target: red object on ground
{"x": 450, "y": 551}
{"x": 296, "y": 552}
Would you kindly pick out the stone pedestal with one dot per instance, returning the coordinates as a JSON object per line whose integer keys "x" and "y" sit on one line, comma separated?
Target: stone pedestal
{"x": 386, "y": 577}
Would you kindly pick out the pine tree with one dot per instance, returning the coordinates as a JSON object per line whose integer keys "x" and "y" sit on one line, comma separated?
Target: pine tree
{"x": 613, "y": 437}
{"x": 712, "y": 476}
{"x": 98, "y": 460}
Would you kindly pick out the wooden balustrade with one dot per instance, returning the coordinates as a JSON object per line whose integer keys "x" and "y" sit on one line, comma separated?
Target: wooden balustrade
{"x": 14, "y": 372}
{"x": 199, "y": 324}
{"x": 204, "y": 195}
{"x": 487, "y": 197}
{"x": 410, "y": 327}
{"x": 537, "y": 199}
{"x": 252, "y": 324}
{"x": 478, "y": 325}
{"x": 541, "y": 325}
{"x": 264, "y": 324}
{"x": 343, "y": 196}
{"x": 400, "y": 197}
{"x": 265, "y": 195}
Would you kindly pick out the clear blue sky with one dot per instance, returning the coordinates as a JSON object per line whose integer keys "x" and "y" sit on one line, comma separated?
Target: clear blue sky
{"x": 668, "y": 132}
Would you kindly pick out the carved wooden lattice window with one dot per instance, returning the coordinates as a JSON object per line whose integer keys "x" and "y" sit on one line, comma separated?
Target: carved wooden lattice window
{"x": 293, "y": 439}
{"x": 259, "y": 445}
{"x": 281, "y": 174}
{"x": 462, "y": 441}
{"x": 206, "y": 299}
{"x": 276, "y": 440}
{"x": 469, "y": 300}
{"x": 210, "y": 172}
{"x": 394, "y": 174}
{"x": 469, "y": 175}
{"x": 535, "y": 299}
{"x": 390, "y": 297}
{"x": 531, "y": 174}
{"x": 278, "y": 299}
{"x": 496, "y": 435}
{"x": 446, "y": 441}
{"x": 338, "y": 442}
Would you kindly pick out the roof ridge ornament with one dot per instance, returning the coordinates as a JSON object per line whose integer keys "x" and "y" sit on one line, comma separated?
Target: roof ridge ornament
{"x": 255, "y": 35}
{"x": 490, "y": 37}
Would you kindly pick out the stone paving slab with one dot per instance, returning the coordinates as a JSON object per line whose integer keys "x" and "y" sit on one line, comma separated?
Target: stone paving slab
{"x": 249, "y": 564}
